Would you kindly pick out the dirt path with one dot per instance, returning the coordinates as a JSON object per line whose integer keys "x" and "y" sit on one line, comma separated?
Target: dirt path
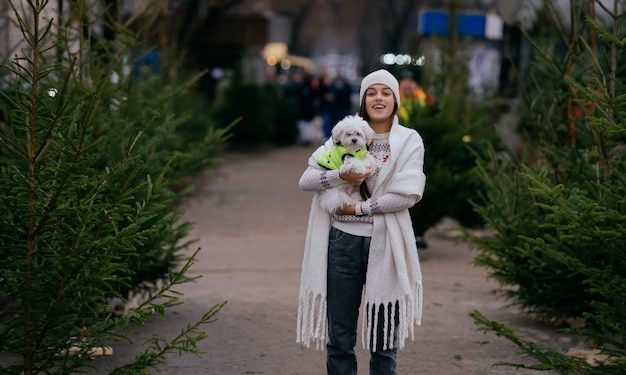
{"x": 250, "y": 220}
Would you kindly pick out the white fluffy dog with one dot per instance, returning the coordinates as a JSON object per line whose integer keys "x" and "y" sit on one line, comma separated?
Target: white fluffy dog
{"x": 351, "y": 136}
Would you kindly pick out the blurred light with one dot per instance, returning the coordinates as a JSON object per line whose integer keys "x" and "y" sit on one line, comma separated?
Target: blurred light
{"x": 115, "y": 78}
{"x": 52, "y": 92}
{"x": 277, "y": 50}
{"x": 402, "y": 59}
{"x": 217, "y": 73}
{"x": 388, "y": 59}
{"x": 285, "y": 64}
{"x": 271, "y": 60}
{"x": 467, "y": 138}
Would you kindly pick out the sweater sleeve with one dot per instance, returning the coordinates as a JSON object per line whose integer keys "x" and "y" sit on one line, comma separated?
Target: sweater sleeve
{"x": 389, "y": 202}
{"x": 316, "y": 179}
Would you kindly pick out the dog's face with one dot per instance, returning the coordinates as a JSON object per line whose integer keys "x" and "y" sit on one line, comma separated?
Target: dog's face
{"x": 353, "y": 133}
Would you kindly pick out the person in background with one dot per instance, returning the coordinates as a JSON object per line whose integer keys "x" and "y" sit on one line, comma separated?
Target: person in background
{"x": 326, "y": 99}
{"x": 413, "y": 99}
{"x": 341, "y": 105}
{"x": 301, "y": 91}
{"x": 366, "y": 250}
{"x": 335, "y": 101}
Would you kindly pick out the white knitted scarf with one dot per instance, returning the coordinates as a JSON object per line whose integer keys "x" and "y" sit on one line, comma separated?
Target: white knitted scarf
{"x": 393, "y": 274}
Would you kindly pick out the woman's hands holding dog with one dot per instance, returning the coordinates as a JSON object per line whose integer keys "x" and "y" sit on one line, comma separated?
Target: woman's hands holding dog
{"x": 354, "y": 178}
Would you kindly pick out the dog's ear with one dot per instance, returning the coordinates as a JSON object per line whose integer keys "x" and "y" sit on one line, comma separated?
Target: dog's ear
{"x": 369, "y": 133}
{"x": 337, "y": 133}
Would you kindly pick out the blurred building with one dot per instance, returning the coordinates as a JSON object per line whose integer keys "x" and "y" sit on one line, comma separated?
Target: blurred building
{"x": 268, "y": 37}
{"x": 264, "y": 38}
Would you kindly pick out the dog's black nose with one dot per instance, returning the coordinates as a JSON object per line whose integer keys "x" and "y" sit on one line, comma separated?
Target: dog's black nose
{"x": 354, "y": 140}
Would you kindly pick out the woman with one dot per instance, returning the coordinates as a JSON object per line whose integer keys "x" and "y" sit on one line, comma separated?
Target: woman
{"x": 366, "y": 247}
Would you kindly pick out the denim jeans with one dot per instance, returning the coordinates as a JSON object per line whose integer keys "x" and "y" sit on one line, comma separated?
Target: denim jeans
{"x": 347, "y": 266}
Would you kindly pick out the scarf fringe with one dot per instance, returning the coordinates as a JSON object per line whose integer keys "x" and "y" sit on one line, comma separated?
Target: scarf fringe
{"x": 409, "y": 313}
{"x": 312, "y": 321}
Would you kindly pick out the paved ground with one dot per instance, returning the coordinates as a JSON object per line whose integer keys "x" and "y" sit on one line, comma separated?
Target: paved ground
{"x": 250, "y": 219}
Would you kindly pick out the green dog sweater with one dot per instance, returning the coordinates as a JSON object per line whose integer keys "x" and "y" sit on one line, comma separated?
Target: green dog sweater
{"x": 333, "y": 158}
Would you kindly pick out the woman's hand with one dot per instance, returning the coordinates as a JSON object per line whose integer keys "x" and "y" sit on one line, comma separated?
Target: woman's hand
{"x": 345, "y": 210}
{"x": 354, "y": 178}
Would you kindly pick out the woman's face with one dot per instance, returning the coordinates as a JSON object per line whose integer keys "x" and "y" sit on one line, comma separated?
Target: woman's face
{"x": 379, "y": 102}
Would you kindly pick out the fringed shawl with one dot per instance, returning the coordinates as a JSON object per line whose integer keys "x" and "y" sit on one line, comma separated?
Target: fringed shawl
{"x": 393, "y": 275}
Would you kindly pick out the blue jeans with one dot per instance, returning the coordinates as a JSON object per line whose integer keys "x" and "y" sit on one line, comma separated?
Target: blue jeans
{"x": 347, "y": 267}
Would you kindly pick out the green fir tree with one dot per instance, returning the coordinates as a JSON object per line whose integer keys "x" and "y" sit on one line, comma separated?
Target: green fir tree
{"x": 558, "y": 209}
{"x": 87, "y": 205}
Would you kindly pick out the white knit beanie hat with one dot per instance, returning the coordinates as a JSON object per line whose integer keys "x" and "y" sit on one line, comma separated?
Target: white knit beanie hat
{"x": 383, "y": 77}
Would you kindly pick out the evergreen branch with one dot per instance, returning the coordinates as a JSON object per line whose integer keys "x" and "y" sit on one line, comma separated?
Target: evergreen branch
{"x": 10, "y": 141}
{"x": 564, "y": 208}
{"x": 158, "y": 348}
{"x": 60, "y": 108}
{"x": 549, "y": 359}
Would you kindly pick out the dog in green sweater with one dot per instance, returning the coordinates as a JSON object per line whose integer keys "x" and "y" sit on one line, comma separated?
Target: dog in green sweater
{"x": 351, "y": 136}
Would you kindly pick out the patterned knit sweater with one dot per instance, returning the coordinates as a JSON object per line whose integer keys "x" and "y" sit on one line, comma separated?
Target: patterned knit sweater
{"x": 314, "y": 179}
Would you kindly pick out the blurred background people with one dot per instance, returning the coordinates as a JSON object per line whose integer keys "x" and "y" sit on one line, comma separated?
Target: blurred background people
{"x": 334, "y": 101}
{"x": 300, "y": 90}
{"x": 413, "y": 100}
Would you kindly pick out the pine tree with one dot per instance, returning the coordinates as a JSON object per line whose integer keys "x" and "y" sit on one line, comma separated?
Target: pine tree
{"x": 86, "y": 207}
{"x": 458, "y": 129}
{"x": 558, "y": 210}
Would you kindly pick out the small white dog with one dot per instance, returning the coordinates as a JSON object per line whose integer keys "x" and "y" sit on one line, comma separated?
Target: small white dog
{"x": 351, "y": 136}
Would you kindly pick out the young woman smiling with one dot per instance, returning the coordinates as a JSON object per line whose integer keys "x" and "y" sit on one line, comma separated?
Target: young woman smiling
{"x": 365, "y": 251}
